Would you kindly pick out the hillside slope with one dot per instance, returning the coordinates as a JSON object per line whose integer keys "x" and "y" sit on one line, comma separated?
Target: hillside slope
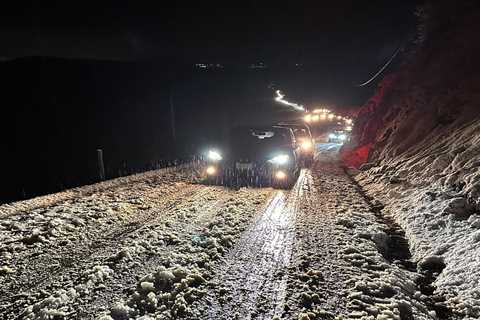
{"x": 419, "y": 137}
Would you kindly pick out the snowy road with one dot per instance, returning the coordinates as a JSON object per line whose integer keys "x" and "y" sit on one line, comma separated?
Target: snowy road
{"x": 254, "y": 273}
{"x": 328, "y": 147}
{"x": 161, "y": 246}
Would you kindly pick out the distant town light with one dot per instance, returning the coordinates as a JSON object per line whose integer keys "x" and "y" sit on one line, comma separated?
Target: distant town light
{"x": 208, "y": 65}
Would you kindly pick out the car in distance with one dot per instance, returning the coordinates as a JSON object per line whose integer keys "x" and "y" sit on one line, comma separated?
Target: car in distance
{"x": 256, "y": 156}
{"x": 305, "y": 141}
{"x": 338, "y": 136}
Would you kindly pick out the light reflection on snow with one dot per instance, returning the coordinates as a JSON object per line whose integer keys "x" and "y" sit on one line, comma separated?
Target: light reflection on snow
{"x": 263, "y": 255}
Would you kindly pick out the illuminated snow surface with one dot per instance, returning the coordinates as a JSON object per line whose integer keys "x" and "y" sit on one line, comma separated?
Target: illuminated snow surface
{"x": 434, "y": 195}
{"x": 160, "y": 245}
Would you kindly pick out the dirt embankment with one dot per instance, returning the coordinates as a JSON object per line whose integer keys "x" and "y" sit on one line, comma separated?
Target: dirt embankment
{"x": 418, "y": 139}
{"x": 435, "y": 93}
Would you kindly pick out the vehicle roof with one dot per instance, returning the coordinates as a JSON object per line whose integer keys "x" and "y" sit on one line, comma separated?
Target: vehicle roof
{"x": 295, "y": 126}
{"x": 273, "y": 128}
{"x": 259, "y": 128}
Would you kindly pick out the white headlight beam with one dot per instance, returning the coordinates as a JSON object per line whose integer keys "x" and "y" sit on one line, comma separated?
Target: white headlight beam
{"x": 280, "y": 159}
{"x": 214, "y": 155}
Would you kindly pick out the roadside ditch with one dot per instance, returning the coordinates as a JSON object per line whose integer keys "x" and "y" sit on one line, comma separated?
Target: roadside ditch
{"x": 397, "y": 251}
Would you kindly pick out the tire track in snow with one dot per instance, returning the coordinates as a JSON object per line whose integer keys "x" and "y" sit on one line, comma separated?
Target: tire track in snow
{"x": 317, "y": 274}
{"x": 255, "y": 272}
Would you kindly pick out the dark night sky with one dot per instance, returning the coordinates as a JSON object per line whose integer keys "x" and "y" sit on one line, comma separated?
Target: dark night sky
{"x": 70, "y": 107}
{"x": 345, "y": 42}
{"x": 366, "y": 31}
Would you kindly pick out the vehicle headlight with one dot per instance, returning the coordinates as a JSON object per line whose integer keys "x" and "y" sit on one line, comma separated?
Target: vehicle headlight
{"x": 280, "y": 159}
{"x": 306, "y": 145}
{"x": 280, "y": 175}
{"x": 214, "y": 155}
{"x": 342, "y": 137}
{"x": 332, "y": 136}
{"x": 211, "y": 170}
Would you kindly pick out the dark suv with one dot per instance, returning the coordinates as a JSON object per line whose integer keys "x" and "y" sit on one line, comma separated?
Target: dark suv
{"x": 261, "y": 156}
{"x": 305, "y": 141}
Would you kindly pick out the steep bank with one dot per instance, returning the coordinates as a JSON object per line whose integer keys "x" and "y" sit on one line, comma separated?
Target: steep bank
{"x": 419, "y": 141}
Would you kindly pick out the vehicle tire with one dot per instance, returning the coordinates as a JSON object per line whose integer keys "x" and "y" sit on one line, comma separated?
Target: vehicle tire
{"x": 304, "y": 163}
{"x": 291, "y": 182}
{"x": 209, "y": 181}
{"x": 218, "y": 180}
{"x": 307, "y": 162}
{"x": 310, "y": 161}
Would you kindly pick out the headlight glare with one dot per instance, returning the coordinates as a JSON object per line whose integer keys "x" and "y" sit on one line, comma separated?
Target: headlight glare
{"x": 214, "y": 155}
{"x": 306, "y": 145}
{"x": 211, "y": 170}
{"x": 280, "y": 175}
{"x": 280, "y": 159}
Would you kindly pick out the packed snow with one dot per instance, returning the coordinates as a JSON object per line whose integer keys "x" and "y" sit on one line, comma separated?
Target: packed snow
{"x": 421, "y": 134}
{"x": 442, "y": 227}
{"x": 162, "y": 246}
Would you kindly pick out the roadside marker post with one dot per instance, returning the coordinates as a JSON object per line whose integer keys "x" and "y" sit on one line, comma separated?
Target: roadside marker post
{"x": 101, "y": 167}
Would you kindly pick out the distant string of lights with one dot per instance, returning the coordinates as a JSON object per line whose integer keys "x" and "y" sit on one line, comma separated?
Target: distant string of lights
{"x": 315, "y": 115}
{"x": 279, "y": 98}
{"x": 318, "y": 115}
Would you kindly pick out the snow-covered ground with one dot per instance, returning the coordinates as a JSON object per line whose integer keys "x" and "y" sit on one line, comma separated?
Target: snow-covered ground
{"x": 434, "y": 195}
{"x": 80, "y": 257}
{"x": 161, "y": 246}
{"x": 420, "y": 136}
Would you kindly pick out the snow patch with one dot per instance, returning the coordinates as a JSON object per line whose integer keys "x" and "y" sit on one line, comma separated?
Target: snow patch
{"x": 440, "y": 221}
{"x": 59, "y": 303}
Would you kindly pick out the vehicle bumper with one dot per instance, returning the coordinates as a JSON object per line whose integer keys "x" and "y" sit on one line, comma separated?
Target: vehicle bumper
{"x": 265, "y": 175}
